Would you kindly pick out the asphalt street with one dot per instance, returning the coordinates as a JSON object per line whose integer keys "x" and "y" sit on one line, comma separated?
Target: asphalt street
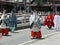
{"x": 22, "y": 36}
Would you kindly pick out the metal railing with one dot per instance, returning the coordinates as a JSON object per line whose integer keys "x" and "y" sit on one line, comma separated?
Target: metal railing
{"x": 22, "y": 20}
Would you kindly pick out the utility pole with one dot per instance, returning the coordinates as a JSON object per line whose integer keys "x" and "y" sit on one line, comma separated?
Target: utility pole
{"x": 53, "y": 6}
{"x": 25, "y": 5}
{"x": 30, "y": 5}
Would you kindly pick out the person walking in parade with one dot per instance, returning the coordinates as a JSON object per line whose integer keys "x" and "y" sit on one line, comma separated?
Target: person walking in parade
{"x": 49, "y": 20}
{"x": 5, "y": 17}
{"x": 3, "y": 24}
{"x": 4, "y": 28}
{"x": 56, "y": 21}
{"x": 35, "y": 26}
{"x": 12, "y": 21}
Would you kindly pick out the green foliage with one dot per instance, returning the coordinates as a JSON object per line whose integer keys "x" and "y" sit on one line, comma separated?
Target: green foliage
{"x": 38, "y": 2}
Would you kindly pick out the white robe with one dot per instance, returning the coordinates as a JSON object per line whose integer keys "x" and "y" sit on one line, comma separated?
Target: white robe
{"x": 56, "y": 22}
{"x": 59, "y": 23}
{"x": 31, "y": 19}
{"x": 3, "y": 16}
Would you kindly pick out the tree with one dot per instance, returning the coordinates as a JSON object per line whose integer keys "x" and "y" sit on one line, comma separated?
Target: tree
{"x": 38, "y": 2}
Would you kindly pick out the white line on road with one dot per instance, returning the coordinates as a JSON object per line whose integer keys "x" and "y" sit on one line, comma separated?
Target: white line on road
{"x": 45, "y": 36}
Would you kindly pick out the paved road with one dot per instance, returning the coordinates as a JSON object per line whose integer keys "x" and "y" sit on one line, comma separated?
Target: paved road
{"x": 21, "y": 36}
{"x": 51, "y": 40}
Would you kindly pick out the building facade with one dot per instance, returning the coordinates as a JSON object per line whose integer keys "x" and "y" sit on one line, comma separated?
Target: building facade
{"x": 47, "y": 5}
{"x": 10, "y": 4}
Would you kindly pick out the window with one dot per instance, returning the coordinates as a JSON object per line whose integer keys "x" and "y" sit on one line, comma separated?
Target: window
{"x": 20, "y": 0}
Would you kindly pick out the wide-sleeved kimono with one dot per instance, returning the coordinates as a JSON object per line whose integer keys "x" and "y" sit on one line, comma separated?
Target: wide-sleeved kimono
{"x": 5, "y": 18}
{"x": 12, "y": 22}
{"x": 35, "y": 26}
{"x": 56, "y": 22}
{"x": 49, "y": 21}
{"x": 3, "y": 24}
{"x": 4, "y": 28}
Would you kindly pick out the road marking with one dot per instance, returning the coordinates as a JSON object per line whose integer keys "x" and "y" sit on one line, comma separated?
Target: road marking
{"x": 27, "y": 42}
{"x": 32, "y": 41}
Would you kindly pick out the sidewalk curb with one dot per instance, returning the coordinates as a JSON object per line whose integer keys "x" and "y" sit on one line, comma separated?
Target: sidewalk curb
{"x": 46, "y": 36}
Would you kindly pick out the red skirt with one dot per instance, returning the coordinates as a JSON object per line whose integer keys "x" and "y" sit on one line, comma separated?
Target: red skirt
{"x": 37, "y": 34}
{"x": 4, "y": 31}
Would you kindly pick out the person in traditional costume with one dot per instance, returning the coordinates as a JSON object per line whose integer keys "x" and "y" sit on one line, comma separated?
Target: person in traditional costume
{"x": 3, "y": 24}
{"x": 35, "y": 26}
{"x": 56, "y": 21}
{"x": 4, "y": 28}
{"x": 49, "y": 21}
{"x": 12, "y": 22}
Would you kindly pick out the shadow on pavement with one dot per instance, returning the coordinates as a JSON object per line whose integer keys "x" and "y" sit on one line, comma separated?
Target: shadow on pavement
{"x": 14, "y": 32}
{"x": 7, "y": 35}
{"x": 36, "y": 40}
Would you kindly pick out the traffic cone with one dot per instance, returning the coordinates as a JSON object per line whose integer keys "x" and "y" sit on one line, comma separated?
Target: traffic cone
{"x": 38, "y": 35}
